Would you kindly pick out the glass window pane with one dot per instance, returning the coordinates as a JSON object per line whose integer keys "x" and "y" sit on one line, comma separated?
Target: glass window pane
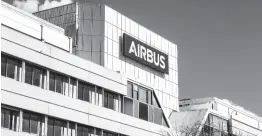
{"x": 150, "y": 114}
{"x": 99, "y": 96}
{"x": 80, "y": 90}
{"x": 110, "y": 101}
{"x": 128, "y": 106}
{"x": 58, "y": 128}
{"x": 158, "y": 116}
{"x": 34, "y": 123}
{"x": 11, "y": 68}
{"x": 3, "y": 65}
{"x": 79, "y": 130}
{"x": 98, "y": 132}
{"x": 26, "y": 118}
{"x": 86, "y": 93}
{"x": 58, "y": 80}
{"x": 155, "y": 103}
{"x": 136, "y": 109}
{"x": 52, "y": 81}
{"x": 72, "y": 89}
{"x": 6, "y": 118}
{"x": 143, "y": 111}
{"x": 142, "y": 95}
{"x": 129, "y": 90}
{"x": 28, "y": 74}
{"x": 50, "y": 128}
{"x": 105, "y": 99}
{"x": 37, "y": 77}
{"x": 85, "y": 131}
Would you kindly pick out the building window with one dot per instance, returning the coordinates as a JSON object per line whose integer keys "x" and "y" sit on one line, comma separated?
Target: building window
{"x": 58, "y": 83}
{"x": 11, "y": 67}
{"x": 83, "y": 130}
{"x": 109, "y": 100}
{"x": 128, "y": 106}
{"x": 34, "y": 75}
{"x": 99, "y": 96}
{"x": 71, "y": 129}
{"x": 130, "y": 90}
{"x": 32, "y": 123}
{"x": 142, "y": 94}
{"x": 56, "y": 127}
{"x": 143, "y": 111}
{"x": 105, "y": 133}
{"x": 9, "y": 118}
{"x": 86, "y": 92}
{"x": 72, "y": 88}
{"x": 143, "y": 104}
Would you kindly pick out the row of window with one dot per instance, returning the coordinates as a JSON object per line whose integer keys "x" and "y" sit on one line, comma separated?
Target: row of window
{"x": 35, "y": 75}
{"x": 140, "y": 102}
{"x": 34, "y": 123}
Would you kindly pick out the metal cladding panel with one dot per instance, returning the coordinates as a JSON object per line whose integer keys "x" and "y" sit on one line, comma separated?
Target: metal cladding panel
{"x": 62, "y": 16}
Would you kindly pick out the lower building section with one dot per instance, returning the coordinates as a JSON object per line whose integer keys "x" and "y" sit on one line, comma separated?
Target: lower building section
{"x": 20, "y": 120}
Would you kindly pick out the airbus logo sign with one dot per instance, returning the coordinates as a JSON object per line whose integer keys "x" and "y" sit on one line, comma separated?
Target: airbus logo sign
{"x": 145, "y": 54}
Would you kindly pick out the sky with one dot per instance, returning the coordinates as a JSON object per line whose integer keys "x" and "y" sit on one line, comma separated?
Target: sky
{"x": 219, "y": 44}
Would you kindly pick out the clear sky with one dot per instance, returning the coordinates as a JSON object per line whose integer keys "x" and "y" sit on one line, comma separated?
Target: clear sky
{"x": 219, "y": 44}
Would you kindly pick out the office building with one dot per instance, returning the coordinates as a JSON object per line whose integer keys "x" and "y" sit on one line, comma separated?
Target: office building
{"x": 84, "y": 69}
{"x": 214, "y": 117}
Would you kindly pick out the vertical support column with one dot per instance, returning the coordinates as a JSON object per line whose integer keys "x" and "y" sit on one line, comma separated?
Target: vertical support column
{"x": 103, "y": 93}
{"x": 23, "y": 72}
{"x": 76, "y": 88}
{"x": 20, "y": 120}
{"x": 46, "y": 125}
{"x": 47, "y": 79}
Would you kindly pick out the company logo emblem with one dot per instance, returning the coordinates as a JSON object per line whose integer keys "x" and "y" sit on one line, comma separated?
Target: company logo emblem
{"x": 145, "y": 54}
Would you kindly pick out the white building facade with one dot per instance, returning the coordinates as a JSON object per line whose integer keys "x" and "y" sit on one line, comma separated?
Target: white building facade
{"x": 82, "y": 84}
{"x": 215, "y": 117}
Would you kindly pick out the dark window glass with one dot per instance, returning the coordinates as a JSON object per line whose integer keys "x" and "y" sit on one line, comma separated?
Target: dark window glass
{"x": 31, "y": 121}
{"x": 28, "y": 74}
{"x": 50, "y": 128}
{"x": 9, "y": 118}
{"x": 58, "y": 83}
{"x": 136, "y": 109}
{"x": 72, "y": 129}
{"x": 11, "y": 68}
{"x": 26, "y": 120}
{"x": 34, "y": 119}
{"x": 142, "y": 95}
{"x": 3, "y": 65}
{"x": 37, "y": 76}
{"x": 86, "y": 93}
{"x": 143, "y": 111}
{"x": 98, "y": 132}
{"x": 80, "y": 90}
{"x": 158, "y": 116}
{"x": 108, "y": 100}
{"x": 52, "y": 81}
{"x": 128, "y": 106}
{"x": 85, "y": 131}
{"x": 129, "y": 90}
{"x": 58, "y": 128}
{"x": 79, "y": 130}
